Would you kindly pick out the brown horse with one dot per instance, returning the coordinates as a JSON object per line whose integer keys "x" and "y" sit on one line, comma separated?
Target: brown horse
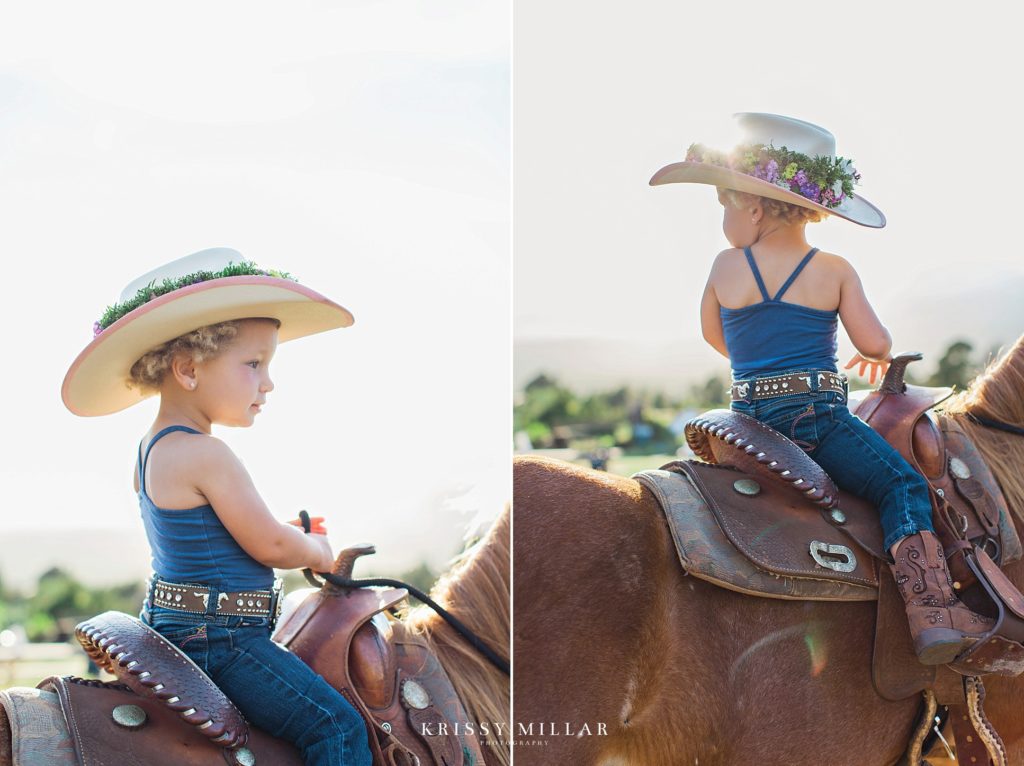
{"x": 476, "y": 591}
{"x": 609, "y": 629}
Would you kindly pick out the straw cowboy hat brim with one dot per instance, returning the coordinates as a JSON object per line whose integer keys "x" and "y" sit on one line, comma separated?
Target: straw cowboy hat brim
{"x": 96, "y": 384}
{"x": 855, "y": 209}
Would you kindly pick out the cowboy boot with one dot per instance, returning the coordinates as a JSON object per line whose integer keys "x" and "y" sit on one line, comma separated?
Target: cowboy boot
{"x": 941, "y": 625}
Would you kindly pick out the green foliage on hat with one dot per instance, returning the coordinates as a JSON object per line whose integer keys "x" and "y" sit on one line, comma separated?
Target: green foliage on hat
{"x": 154, "y": 290}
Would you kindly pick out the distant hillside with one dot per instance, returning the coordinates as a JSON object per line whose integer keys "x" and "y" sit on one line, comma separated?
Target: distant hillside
{"x": 928, "y": 323}
{"x": 99, "y": 557}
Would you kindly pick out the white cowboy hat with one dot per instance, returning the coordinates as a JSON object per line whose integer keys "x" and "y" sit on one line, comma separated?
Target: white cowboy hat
{"x": 778, "y": 131}
{"x": 196, "y": 294}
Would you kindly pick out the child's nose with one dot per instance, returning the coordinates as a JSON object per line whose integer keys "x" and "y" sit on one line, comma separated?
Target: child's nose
{"x": 268, "y": 385}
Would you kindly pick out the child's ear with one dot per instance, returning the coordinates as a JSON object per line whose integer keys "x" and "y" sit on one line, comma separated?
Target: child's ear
{"x": 183, "y": 368}
{"x": 756, "y": 212}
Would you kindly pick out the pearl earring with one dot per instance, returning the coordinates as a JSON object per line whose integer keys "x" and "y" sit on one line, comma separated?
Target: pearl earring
{"x": 192, "y": 384}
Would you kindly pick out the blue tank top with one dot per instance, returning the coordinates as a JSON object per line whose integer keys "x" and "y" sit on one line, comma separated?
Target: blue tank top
{"x": 772, "y": 336}
{"x": 192, "y": 545}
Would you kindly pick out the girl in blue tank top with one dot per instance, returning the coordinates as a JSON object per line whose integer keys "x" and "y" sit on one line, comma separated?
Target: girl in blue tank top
{"x": 772, "y": 306}
{"x": 203, "y": 341}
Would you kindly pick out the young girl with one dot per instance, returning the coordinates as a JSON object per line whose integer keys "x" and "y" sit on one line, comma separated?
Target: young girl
{"x": 200, "y": 333}
{"x": 771, "y": 306}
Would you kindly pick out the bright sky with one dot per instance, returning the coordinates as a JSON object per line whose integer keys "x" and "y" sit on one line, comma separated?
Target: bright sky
{"x": 924, "y": 99}
{"x": 363, "y": 147}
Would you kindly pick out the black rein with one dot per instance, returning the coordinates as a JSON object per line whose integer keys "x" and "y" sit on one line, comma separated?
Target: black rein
{"x": 457, "y": 625}
{"x": 997, "y": 424}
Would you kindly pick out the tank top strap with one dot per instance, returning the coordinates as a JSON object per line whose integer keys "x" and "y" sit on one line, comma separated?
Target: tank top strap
{"x": 757, "y": 273}
{"x": 144, "y": 460}
{"x": 795, "y": 274}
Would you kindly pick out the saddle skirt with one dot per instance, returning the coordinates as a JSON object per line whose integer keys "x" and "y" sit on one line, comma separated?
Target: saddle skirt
{"x": 761, "y": 519}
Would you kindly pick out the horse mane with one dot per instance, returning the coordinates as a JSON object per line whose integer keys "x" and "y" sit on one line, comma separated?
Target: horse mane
{"x": 997, "y": 393}
{"x": 476, "y": 589}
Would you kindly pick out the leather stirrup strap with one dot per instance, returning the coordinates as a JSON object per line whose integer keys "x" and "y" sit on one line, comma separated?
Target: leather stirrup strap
{"x": 977, "y": 742}
{"x": 970, "y": 751}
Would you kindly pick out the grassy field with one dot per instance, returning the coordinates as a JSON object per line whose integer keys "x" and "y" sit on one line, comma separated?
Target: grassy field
{"x": 29, "y": 664}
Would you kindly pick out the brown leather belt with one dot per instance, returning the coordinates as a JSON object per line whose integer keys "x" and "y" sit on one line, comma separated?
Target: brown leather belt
{"x": 194, "y": 599}
{"x": 783, "y": 385}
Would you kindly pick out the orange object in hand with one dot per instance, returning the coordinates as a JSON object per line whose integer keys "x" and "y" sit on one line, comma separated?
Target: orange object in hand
{"x": 316, "y": 526}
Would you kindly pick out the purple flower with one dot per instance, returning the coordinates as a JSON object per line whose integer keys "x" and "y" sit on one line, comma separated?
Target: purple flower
{"x": 772, "y": 172}
{"x": 810, "y": 190}
{"x": 97, "y": 328}
{"x": 800, "y": 178}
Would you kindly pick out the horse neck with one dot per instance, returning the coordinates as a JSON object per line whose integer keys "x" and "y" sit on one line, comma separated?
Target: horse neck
{"x": 476, "y": 591}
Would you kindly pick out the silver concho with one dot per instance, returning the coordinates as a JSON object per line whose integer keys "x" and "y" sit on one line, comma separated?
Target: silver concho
{"x": 129, "y": 716}
{"x": 838, "y": 516}
{"x": 959, "y": 468}
{"x": 245, "y": 757}
{"x": 819, "y": 550}
{"x": 414, "y": 695}
{"x": 747, "y": 487}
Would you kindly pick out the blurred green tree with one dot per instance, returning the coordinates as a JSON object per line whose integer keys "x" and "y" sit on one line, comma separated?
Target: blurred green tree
{"x": 955, "y": 367}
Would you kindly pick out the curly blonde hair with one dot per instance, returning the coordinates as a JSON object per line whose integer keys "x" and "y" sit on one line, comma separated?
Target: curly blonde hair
{"x": 784, "y": 211}
{"x": 204, "y": 343}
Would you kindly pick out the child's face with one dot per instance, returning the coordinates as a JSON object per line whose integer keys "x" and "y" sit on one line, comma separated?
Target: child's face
{"x": 233, "y": 385}
{"x": 739, "y": 229}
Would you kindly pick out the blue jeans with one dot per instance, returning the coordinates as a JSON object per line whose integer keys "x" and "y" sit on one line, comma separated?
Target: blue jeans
{"x": 273, "y": 688}
{"x": 857, "y": 458}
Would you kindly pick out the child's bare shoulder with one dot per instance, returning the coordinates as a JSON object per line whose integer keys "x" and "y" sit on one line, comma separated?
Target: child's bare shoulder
{"x": 727, "y": 261}
{"x": 836, "y": 264}
{"x": 194, "y": 455}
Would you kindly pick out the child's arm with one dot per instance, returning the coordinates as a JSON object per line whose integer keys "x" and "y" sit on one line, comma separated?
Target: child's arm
{"x": 867, "y": 333}
{"x": 710, "y": 316}
{"x": 223, "y": 480}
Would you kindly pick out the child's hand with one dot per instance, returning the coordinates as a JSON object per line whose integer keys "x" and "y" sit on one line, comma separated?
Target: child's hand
{"x": 316, "y": 526}
{"x": 878, "y": 369}
{"x": 323, "y": 546}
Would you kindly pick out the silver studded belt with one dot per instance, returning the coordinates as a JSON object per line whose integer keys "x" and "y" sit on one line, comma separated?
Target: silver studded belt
{"x": 196, "y": 598}
{"x": 783, "y": 385}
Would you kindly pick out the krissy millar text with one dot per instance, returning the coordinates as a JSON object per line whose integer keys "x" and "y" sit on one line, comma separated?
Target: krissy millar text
{"x": 521, "y": 729}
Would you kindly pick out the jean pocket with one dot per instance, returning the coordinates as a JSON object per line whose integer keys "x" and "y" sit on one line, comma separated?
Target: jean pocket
{"x": 797, "y": 422}
{"x": 190, "y": 639}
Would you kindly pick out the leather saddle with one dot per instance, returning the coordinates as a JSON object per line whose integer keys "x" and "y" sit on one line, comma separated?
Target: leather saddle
{"x": 407, "y": 701}
{"x": 759, "y": 516}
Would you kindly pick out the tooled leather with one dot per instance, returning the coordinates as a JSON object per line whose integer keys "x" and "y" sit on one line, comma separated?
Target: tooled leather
{"x": 733, "y": 438}
{"x": 761, "y": 537}
{"x": 442, "y": 748}
{"x": 336, "y": 622}
{"x": 960, "y": 446}
{"x": 1002, "y": 651}
{"x": 417, "y": 662}
{"x": 325, "y": 634}
{"x": 153, "y": 667}
{"x": 970, "y": 750}
{"x": 772, "y": 529}
{"x": 975, "y": 693}
{"x": 98, "y": 740}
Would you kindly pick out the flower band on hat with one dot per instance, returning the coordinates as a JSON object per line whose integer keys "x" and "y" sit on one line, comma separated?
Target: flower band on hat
{"x": 823, "y": 179}
{"x": 780, "y": 158}
{"x": 154, "y": 290}
{"x": 200, "y": 290}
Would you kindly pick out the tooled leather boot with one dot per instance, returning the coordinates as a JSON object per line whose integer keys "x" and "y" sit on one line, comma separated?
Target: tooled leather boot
{"x": 941, "y": 625}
